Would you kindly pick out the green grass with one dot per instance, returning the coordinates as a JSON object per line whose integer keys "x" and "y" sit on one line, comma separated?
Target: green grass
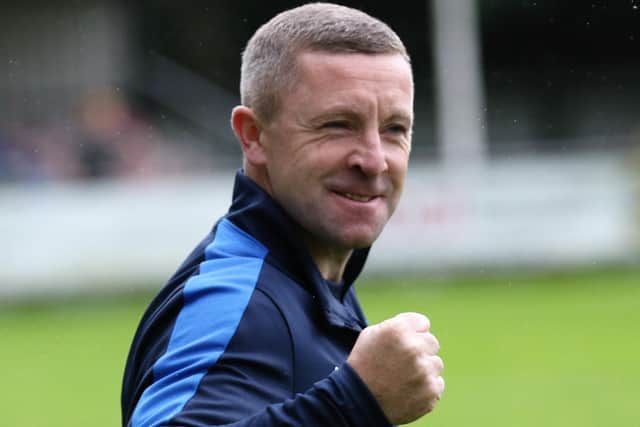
{"x": 557, "y": 349}
{"x": 61, "y": 364}
{"x": 552, "y": 350}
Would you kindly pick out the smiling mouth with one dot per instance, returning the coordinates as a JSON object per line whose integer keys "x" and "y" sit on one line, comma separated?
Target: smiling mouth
{"x": 357, "y": 197}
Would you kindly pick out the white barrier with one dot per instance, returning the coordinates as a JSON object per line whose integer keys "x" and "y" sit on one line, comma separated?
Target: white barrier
{"x": 58, "y": 238}
{"x": 514, "y": 212}
{"x": 555, "y": 211}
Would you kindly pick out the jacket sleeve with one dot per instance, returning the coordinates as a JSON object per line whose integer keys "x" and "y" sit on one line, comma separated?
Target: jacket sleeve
{"x": 250, "y": 384}
{"x": 341, "y": 399}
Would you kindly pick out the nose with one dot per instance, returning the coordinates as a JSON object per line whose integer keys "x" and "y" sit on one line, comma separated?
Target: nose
{"x": 369, "y": 155}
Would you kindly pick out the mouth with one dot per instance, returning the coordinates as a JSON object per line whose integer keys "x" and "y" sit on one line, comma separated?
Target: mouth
{"x": 356, "y": 197}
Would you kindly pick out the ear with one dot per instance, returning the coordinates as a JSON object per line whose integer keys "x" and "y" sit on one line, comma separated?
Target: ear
{"x": 247, "y": 129}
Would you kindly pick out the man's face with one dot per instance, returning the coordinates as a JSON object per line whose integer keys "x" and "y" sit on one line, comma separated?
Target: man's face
{"x": 337, "y": 151}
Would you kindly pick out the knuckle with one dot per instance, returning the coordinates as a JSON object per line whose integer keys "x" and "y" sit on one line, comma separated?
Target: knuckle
{"x": 427, "y": 321}
{"x": 434, "y": 344}
{"x": 413, "y": 320}
{"x": 388, "y": 326}
{"x": 438, "y": 363}
{"x": 442, "y": 385}
{"x": 434, "y": 390}
{"x": 414, "y": 347}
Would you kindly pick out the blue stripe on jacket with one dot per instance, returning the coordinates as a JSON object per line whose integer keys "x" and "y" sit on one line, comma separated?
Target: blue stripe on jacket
{"x": 214, "y": 302}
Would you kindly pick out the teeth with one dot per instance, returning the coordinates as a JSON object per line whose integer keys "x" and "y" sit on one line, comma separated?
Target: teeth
{"x": 356, "y": 197}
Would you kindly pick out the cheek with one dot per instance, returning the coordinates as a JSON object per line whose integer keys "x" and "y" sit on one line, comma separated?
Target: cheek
{"x": 398, "y": 162}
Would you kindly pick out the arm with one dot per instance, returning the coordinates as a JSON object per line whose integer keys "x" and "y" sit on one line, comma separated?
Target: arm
{"x": 250, "y": 384}
{"x": 341, "y": 399}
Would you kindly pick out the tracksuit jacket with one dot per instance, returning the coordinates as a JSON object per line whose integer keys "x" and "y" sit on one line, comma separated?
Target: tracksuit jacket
{"x": 248, "y": 333}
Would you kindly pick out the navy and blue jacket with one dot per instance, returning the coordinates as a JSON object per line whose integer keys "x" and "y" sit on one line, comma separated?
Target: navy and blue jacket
{"x": 247, "y": 332}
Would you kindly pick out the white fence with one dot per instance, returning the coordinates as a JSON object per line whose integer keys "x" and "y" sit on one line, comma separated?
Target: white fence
{"x": 515, "y": 212}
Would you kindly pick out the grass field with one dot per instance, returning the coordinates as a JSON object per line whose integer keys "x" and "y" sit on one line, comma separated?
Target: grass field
{"x": 557, "y": 349}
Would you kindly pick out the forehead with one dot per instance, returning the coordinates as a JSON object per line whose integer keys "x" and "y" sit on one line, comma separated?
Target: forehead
{"x": 351, "y": 78}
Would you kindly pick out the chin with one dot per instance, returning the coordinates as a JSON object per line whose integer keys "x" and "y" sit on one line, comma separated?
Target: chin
{"x": 360, "y": 241}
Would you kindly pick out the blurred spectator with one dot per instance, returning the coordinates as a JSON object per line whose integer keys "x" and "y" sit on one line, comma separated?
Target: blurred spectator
{"x": 112, "y": 142}
{"x": 28, "y": 152}
{"x": 11, "y": 157}
{"x": 115, "y": 141}
{"x": 104, "y": 139}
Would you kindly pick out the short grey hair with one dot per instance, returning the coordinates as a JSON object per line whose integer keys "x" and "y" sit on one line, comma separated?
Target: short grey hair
{"x": 269, "y": 59}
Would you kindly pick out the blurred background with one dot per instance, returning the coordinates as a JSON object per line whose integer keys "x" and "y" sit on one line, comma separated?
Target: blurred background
{"x": 518, "y": 234}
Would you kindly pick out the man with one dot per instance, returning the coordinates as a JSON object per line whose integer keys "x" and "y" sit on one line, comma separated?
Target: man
{"x": 261, "y": 326}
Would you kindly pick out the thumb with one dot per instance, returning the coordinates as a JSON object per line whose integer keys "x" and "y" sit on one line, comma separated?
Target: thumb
{"x": 413, "y": 321}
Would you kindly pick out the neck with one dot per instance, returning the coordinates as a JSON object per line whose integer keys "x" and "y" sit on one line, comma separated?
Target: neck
{"x": 330, "y": 262}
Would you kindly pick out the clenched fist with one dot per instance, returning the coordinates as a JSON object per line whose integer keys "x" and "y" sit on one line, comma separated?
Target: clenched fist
{"x": 398, "y": 361}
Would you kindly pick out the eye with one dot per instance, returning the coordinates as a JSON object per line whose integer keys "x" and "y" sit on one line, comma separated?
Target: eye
{"x": 336, "y": 124}
{"x": 397, "y": 129}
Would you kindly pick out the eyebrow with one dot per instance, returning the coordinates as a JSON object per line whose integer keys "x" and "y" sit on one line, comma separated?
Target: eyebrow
{"x": 400, "y": 117}
{"x": 337, "y": 112}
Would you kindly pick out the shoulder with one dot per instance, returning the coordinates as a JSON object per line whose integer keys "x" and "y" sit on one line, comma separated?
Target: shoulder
{"x": 219, "y": 293}
{"x": 224, "y": 325}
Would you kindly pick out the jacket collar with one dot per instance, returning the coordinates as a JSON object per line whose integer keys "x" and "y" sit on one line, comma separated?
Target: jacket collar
{"x": 256, "y": 212}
